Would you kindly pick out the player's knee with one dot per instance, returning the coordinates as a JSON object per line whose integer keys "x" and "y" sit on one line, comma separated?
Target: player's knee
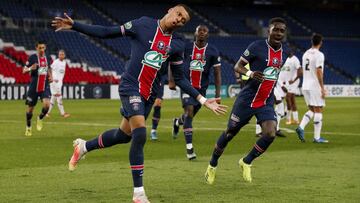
{"x": 122, "y": 134}
{"x": 189, "y": 112}
{"x": 271, "y": 132}
{"x": 139, "y": 136}
{"x": 230, "y": 133}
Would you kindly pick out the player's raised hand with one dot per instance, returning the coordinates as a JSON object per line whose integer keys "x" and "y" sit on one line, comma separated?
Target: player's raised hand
{"x": 218, "y": 109}
{"x": 62, "y": 23}
{"x": 257, "y": 75}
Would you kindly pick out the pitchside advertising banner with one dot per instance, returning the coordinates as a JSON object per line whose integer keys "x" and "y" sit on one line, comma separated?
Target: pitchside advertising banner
{"x": 15, "y": 92}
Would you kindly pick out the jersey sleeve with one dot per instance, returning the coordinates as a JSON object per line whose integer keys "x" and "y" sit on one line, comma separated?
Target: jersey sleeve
{"x": 31, "y": 60}
{"x": 320, "y": 61}
{"x": 249, "y": 53}
{"x": 216, "y": 59}
{"x": 131, "y": 28}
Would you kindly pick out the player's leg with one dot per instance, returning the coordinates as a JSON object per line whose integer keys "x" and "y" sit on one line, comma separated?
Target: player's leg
{"x": 266, "y": 117}
{"x": 29, "y": 114}
{"x": 280, "y": 113}
{"x": 307, "y": 116}
{"x": 156, "y": 118}
{"x": 177, "y": 122}
{"x": 52, "y": 103}
{"x": 188, "y": 131}
{"x": 240, "y": 116}
{"x": 45, "y": 98}
{"x": 289, "y": 107}
{"x": 295, "y": 113}
{"x": 318, "y": 109}
{"x": 106, "y": 139}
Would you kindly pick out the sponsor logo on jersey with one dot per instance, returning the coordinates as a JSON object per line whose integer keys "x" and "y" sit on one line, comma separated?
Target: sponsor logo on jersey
{"x": 154, "y": 59}
{"x": 197, "y": 65}
{"x": 271, "y": 73}
{"x": 246, "y": 52}
{"x": 42, "y": 70}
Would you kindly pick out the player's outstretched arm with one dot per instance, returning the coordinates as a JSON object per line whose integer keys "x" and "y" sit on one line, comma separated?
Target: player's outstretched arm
{"x": 67, "y": 23}
{"x": 184, "y": 84}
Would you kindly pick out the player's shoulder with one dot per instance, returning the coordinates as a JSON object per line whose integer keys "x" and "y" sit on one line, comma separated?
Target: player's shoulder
{"x": 146, "y": 19}
{"x": 212, "y": 47}
{"x": 178, "y": 42}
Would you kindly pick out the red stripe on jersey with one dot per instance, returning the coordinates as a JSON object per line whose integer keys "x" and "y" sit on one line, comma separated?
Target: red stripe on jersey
{"x": 160, "y": 46}
{"x": 42, "y": 73}
{"x": 265, "y": 88}
{"x": 198, "y": 56}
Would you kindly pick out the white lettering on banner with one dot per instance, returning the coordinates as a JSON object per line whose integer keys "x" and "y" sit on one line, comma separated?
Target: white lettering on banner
{"x": 76, "y": 93}
{"x": 9, "y": 92}
{"x": 16, "y": 92}
{"x": 82, "y": 92}
{"x": 342, "y": 90}
{"x": 2, "y": 91}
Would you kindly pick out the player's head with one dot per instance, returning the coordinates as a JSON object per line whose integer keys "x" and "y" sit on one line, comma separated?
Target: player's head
{"x": 277, "y": 30}
{"x": 177, "y": 16}
{"x": 61, "y": 54}
{"x": 201, "y": 33}
{"x": 40, "y": 47}
{"x": 316, "y": 40}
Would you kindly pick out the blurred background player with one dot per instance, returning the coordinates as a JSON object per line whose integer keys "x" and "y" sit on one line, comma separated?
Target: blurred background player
{"x": 153, "y": 44}
{"x": 266, "y": 58}
{"x": 157, "y": 110}
{"x": 200, "y": 57}
{"x": 38, "y": 67}
{"x": 292, "y": 73}
{"x": 313, "y": 89}
{"x": 58, "y": 71}
{"x": 279, "y": 94}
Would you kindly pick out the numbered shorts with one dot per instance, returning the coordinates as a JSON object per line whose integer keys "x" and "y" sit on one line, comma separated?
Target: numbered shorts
{"x": 32, "y": 96}
{"x": 135, "y": 105}
{"x": 313, "y": 98}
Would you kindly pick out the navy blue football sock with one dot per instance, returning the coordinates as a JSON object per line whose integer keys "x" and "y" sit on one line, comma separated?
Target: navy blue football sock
{"x": 43, "y": 112}
{"x": 28, "y": 118}
{"x": 260, "y": 147}
{"x": 156, "y": 117}
{"x": 136, "y": 155}
{"x": 222, "y": 142}
{"x": 108, "y": 139}
{"x": 188, "y": 132}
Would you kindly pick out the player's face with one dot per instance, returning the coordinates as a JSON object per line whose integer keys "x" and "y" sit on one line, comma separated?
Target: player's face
{"x": 41, "y": 48}
{"x": 202, "y": 33}
{"x": 61, "y": 55}
{"x": 277, "y": 33}
{"x": 177, "y": 17}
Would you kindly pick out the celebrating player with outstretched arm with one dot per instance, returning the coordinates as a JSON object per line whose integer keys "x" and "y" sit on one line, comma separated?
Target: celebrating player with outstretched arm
{"x": 153, "y": 44}
{"x": 256, "y": 98}
{"x": 38, "y": 67}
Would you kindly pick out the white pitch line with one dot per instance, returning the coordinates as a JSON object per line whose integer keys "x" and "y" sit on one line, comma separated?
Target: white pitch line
{"x": 288, "y": 130}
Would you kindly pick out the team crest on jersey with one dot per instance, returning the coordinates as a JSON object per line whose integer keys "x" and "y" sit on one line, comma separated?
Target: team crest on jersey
{"x": 276, "y": 61}
{"x": 198, "y": 56}
{"x": 154, "y": 59}
{"x": 271, "y": 73}
{"x": 128, "y": 25}
{"x": 197, "y": 65}
{"x": 161, "y": 45}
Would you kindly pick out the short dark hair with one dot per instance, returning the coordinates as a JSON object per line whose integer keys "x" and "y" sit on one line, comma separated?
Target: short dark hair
{"x": 61, "y": 50}
{"x": 187, "y": 9}
{"x": 277, "y": 20}
{"x": 316, "y": 39}
{"x": 39, "y": 42}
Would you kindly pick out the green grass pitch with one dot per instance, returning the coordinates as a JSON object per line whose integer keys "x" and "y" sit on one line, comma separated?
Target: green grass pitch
{"x": 34, "y": 169}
